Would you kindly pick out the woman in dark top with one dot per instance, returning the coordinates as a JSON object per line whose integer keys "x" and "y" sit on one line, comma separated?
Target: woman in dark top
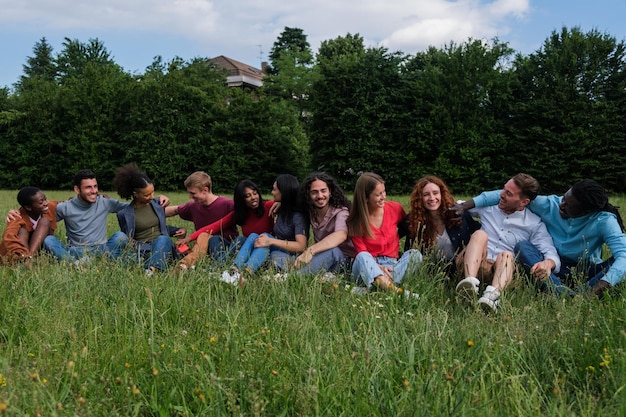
{"x": 289, "y": 237}
{"x": 143, "y": 220}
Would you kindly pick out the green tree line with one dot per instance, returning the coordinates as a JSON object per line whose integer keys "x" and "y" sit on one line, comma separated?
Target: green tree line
{"x": 474, "y": 113}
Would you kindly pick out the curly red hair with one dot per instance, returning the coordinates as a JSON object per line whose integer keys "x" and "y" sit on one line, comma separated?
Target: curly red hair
{"x": 421, "y": 226}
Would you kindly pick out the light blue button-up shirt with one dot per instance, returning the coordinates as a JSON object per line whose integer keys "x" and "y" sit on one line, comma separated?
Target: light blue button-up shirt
{"x": 579, "y": 238}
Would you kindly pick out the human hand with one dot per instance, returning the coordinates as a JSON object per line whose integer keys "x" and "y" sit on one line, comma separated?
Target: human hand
{"x": 456, "y": 211}
{"x": 274, "y": 209}
{"x": 263, "y": 241}
{"x": 13, "y": 215}
{"x": 541, "y": 270}
{"x": 182, "y": 242}
{"x": 304, "y": 258}
{"x": 385, "y": 280}
{"x": 387, "y": 272}
{"x": 180, "y": 233}
{"x": 599, "y": 287}
{"x": 164, "y": 201}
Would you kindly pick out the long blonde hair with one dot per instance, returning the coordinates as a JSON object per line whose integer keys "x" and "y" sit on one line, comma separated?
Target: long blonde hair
{"x": 358, "y": 220}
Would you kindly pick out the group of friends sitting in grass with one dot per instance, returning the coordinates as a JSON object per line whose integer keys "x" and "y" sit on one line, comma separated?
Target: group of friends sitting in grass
{"x": 556, "y": 240}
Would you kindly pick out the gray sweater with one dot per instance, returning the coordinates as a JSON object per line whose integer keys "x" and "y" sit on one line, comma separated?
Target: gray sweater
{"x": 86, "y": 224}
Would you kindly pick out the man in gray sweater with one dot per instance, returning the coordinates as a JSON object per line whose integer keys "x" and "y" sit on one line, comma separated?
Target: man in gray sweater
{"x": 85, "y": 219}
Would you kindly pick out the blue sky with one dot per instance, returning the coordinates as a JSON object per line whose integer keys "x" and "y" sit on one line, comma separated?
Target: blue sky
{"x": 135, "y": 31}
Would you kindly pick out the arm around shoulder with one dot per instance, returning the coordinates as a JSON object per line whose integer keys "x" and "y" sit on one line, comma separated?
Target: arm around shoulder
{"x": 171, "y": 211}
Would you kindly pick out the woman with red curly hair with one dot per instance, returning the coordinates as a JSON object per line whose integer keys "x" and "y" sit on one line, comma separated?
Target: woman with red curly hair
{"x": 429, "y": 223}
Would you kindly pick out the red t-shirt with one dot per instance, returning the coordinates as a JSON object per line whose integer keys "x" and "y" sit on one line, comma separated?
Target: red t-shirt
{"x": 202, "y": 215}
{"x": 386, "y": 241}
{"x": 253, "y": 224}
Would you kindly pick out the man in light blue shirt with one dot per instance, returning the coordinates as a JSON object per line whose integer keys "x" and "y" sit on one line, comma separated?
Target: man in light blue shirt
{"x": 580, "y": 223}
{"x": 489, "y": 253}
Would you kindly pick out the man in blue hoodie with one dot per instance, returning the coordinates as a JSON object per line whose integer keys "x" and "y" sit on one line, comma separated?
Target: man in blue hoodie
{"x": 580, "y": 223}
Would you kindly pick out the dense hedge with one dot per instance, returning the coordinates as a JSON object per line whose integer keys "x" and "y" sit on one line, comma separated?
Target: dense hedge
{"x": 473, "y": 113}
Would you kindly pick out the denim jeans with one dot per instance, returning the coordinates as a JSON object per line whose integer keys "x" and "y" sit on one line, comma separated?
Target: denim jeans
{"x": 162, "y": 251}
{"x": 221, "y": 249}
{"x": 366, "y": 267}
{"x": 249, "y": 256}
{"x": 112, "y": 249}
{"x": 332, "y": 260}
{"x": 280, "y": 258}
{"x": 528, "y": 255}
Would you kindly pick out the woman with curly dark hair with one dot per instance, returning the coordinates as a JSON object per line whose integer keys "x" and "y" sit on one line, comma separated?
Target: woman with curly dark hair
{"x": 143, "y": 220}
{"x": 430, "y": 224}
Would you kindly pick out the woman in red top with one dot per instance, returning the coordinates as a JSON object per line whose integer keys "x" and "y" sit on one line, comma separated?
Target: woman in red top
{"x": 373, "y": 227}
{"x": 250, "y": 212}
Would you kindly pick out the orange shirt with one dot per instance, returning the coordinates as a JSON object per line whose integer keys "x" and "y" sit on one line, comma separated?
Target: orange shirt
{"x": 11, "y": 247}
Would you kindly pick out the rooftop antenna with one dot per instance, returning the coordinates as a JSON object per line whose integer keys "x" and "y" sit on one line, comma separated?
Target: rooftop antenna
{"x": 260, "y": 53}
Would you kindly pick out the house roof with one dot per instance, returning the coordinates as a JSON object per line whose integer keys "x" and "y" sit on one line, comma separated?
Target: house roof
{"x": 239, "y": 74}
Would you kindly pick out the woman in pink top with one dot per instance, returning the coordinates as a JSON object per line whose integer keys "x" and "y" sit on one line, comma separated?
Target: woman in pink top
{"x": 373, "y": 227}
{"x": 251, "y": 213}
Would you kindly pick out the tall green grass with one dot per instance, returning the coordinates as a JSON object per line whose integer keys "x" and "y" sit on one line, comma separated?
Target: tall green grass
{"x": 106, "y": 340}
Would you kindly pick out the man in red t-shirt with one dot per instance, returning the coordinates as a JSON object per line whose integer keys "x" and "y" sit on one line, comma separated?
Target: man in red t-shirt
{"x": 205, "y": 209}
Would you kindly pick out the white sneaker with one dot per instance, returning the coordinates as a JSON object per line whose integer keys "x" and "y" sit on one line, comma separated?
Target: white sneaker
{"x": 230, "y": 278}
{"x": 490, "y": 300}
{"x": 358, "y": 291}
{"x": 280, "y": 276}
{"x": 328, "y": 277}
{"x": 408, "y": 294}
{"x": 82, "y": 261}
{"x": 467, "y": 289}
{"x": 149, "y": 272}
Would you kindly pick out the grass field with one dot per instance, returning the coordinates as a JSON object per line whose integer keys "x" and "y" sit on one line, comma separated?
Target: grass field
{"x": 106, "y": 340}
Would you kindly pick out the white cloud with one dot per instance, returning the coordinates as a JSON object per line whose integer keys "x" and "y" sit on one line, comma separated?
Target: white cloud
{"x": 503, "y": 8}
{"x": 445, "y": 21}
{"x": 192, "y": 18}
{"x": 406, "y": 25}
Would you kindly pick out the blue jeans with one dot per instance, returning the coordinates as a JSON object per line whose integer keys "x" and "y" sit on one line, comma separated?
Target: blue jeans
{"x": 280, "y": 258}
{"x": 249, "y": 256}
{"x": 528, "y": 255}
{"x": 221, "y": 249}
{"x": 112, "y": 249}
{"x": 366, "y": 267}
{"x": 332, "y": 260}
